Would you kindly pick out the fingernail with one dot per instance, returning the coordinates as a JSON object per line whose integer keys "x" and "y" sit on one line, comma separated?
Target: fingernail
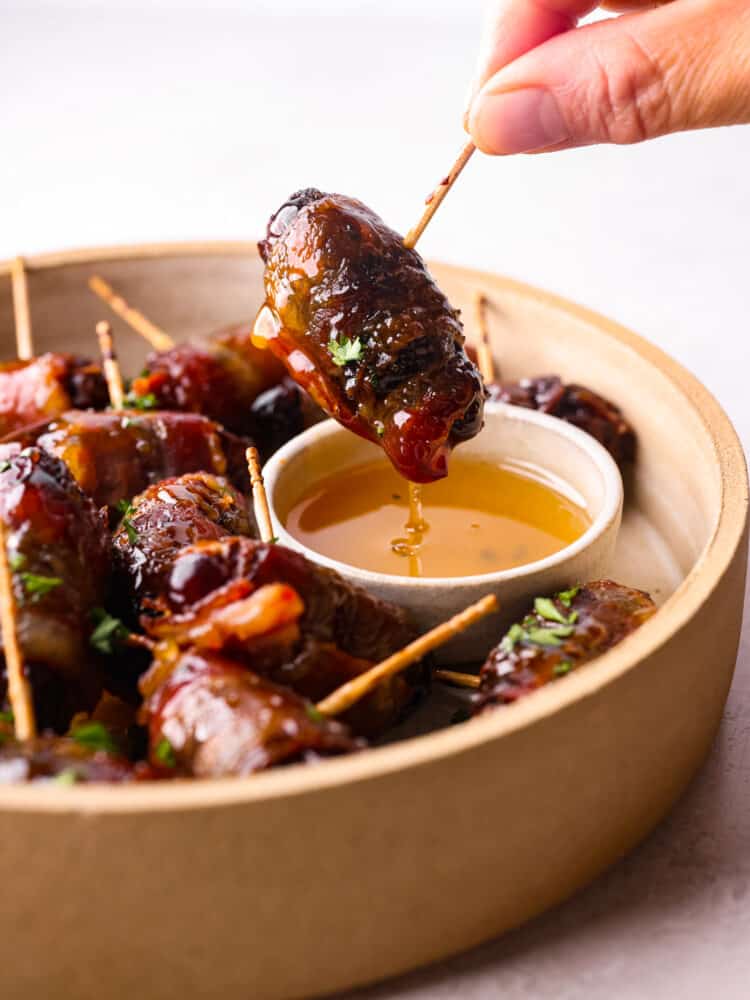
{"x": 517, "y": 121}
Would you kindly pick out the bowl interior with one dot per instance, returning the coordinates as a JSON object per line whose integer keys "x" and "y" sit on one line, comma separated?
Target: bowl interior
{"x": 683, "y": 496}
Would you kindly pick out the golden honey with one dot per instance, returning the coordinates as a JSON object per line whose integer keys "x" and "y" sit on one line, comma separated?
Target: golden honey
{"x": 483, "y": 518}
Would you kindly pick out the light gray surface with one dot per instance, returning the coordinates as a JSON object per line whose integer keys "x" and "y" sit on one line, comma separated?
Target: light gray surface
{"x": 120, "y": 124}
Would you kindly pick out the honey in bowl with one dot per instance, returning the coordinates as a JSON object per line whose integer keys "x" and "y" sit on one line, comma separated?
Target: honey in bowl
{"x": 482, "y": 519}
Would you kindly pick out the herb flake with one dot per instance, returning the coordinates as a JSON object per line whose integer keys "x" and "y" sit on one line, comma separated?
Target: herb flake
{"x": 67, "y": 777}
{"x": 164, "y": 753}
{"x": 546, "y": 608}
{"x": 562, "y": 668}
{"x": 146, "y": 402}
{"x": 109, "y": 632}
{"x": 343, "y": 352}
{"x": 37, "y": 586}
{"x": 94, "y": 736}
{"x": 565, "y": 597}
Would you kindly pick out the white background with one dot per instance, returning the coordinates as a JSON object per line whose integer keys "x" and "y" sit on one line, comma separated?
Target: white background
{"x": 121, "y": 122}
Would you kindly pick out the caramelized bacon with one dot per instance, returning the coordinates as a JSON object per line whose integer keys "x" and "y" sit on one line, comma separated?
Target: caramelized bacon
{"x": 362, "y": 326}
{"x": 214, "y": 718}
{"x": 115, "y": 455}
{"x": 58, "y": 550}
{"x": 168, "y": 516}
{"x": 45, "y": 387}
{"x": 561, "y": 634}
{"x": 219, "y": 378}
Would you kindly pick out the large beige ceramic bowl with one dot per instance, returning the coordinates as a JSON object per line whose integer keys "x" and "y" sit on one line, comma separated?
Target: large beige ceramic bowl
{"x": 307, "y": 880}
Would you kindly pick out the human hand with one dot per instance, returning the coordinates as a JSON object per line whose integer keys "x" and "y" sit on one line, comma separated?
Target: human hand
{"x": 543, "y": 83}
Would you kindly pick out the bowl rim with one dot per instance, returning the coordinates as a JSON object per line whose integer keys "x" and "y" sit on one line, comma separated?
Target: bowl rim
{"x": 701, "y": 581}
{"x": 597, "y": 455}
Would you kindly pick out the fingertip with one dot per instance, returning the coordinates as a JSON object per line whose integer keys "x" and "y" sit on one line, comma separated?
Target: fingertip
{"x": 517, "y": 121}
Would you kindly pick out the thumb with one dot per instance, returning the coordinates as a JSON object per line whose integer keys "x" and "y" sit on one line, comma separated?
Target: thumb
{"x": 667, "y": 69}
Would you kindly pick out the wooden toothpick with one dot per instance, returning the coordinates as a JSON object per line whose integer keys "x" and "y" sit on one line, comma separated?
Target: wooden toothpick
{"x": 110, "y": 365}
{"x": 19, "y": 690}
{"x": 260, "y": 500}
{"x": 458, "y": 678}
{"x": 21, "y": 310}
{"x": 345, "y": 696}
{"x": 484, "y": 351}
{"x": 436, "y": 198}
{"x": 158, "y": 339}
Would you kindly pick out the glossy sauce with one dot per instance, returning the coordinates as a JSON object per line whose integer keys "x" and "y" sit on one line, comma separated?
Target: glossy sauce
{"x": 481, "y": 519}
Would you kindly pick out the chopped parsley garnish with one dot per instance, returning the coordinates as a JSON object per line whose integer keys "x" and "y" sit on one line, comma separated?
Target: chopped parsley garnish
{"x": 565, "y": 597}
{"x": 17, "y": 561}
{"x": 549, "y": 636}
{"x": 314, "y": 714}
{"x": 514, "y": 634}
{"x": 164, "y": 753}
{"x": 126, "y": 509}
{"x": 146, "y": 402}
{"x": 109, "y": 633}
{"x": 94, "y": 736}
{"x": 37, "y": 586}
{"x": 273, "y": 540}
{"x": 546, "y": 609}
{"x": 345, "y": 351}
{"x": 66, "y": 777}
{"x": 6, "y": 716}
{"x": 562, "y": 668}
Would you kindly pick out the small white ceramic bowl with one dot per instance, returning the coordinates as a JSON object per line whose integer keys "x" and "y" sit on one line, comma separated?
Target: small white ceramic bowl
{"x": 510, "y": 434}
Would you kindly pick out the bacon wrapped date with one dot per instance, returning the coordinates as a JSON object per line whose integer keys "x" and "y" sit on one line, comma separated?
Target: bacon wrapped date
{"x": 45, "y": 387}
{"x": 115, "y": 455}
{"x": 211, "y": 716}
{"x": 577, "y": 405}
{"x": 58, "y": 551}
{"x": 219, "y": 378}
{"x": 558, "y": 636}
{"x": 342, "y": 632}
{"x": 165, "y": 518}
{"x": 361, "y": 325}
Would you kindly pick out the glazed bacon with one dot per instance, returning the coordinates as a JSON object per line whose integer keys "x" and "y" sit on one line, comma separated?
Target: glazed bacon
{"x": 214, "y": 718}
{"x": 168, "y": 516}
{"x": 58, "y": 551}
{"x": 46, "y": 386}
{"x": 220, "y": 378}
{"x": 561, "y": 634}
{"x": 115, "y": 455}
{"x": 342, "y": 632}
{"x": 577, "y": 405}
{"x": 361, "y": 325}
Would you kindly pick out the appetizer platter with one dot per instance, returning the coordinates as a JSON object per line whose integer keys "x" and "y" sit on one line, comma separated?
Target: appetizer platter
{"x": 458, "y": 652}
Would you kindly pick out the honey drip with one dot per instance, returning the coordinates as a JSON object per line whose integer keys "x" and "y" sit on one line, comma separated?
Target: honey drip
{"x": 416, "y": 527}
{"x": 483, "y": 518}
